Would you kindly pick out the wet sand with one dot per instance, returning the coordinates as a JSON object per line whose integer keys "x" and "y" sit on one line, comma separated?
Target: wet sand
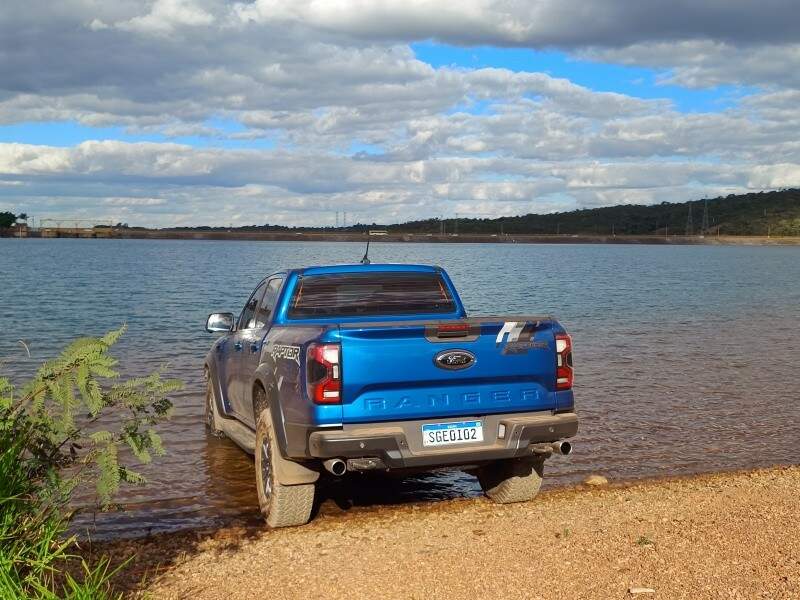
{"x": 712, "y": 536}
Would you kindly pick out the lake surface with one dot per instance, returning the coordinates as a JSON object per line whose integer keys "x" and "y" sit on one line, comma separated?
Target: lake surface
{"x": 686, "y": 356}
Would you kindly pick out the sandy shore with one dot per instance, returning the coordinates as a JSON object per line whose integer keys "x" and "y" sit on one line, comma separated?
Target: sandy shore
{"x": 712, "y": 536}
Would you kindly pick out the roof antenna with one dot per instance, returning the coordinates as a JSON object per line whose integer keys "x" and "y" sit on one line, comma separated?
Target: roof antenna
{"x": 365, "y": 260}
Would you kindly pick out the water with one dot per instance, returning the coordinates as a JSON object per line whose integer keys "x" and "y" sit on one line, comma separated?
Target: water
{"x": 686, "y": 355}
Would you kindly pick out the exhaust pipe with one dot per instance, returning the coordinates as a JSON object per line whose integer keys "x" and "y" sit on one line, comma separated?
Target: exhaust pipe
{"x": 564, "y": 448}
{"x": 335, "y": 466}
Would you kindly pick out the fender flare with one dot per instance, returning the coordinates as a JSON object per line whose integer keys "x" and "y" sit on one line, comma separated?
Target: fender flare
{"x": 264, "y": 377}
{"x": 211, "y": 369}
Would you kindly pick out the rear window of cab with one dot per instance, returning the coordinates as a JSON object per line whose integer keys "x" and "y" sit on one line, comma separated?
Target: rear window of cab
{"x": 370, "y": 294}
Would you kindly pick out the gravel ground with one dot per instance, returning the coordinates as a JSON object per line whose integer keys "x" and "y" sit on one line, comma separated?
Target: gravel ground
{"x": 713, "y": 536}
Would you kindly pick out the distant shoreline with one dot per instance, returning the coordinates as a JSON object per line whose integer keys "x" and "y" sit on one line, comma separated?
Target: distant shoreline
{"x": 279, "y": 236}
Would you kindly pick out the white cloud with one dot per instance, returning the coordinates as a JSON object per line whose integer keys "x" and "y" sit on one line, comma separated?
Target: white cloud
{"x": 704, "y": 63}
{"x": 170, "y": 183}
{"x": 166, "y": 15}
{"x": 775, "y": 176}
{"x": 535, "y": 23}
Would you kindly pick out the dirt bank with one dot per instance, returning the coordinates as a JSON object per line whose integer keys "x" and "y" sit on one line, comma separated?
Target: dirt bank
{"x": 714, "y": 536}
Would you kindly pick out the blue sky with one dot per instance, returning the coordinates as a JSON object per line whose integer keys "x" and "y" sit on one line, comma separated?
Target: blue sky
{"x": 639, "y": 82}
{"x": 69, "y": 133}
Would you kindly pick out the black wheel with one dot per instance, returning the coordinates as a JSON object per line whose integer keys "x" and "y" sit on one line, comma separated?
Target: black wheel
{"x": 515, "y": 480}
{"x": 281, "y": 505}
{"x": 211, "y": 414}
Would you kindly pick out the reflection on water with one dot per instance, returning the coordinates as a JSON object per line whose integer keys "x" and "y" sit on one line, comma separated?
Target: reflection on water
{"x": 686, "y": 356}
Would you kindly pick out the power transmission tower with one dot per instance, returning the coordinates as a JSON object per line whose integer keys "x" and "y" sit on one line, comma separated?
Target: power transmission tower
{"x": 704, "y": 228}
{"x": 344, "y": 219}
{"x": 689, "y": 224}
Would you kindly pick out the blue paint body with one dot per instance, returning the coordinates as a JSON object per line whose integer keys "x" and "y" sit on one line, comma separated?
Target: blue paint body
{"x": 387, "y": 362}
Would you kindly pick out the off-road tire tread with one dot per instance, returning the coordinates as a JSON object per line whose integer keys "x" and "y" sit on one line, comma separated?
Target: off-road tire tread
{"x": 289, "y": 505}
{"x": 512, "y": 481}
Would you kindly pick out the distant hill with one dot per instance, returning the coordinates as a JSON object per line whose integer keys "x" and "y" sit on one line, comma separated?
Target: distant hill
{"x": 761, "y": 213}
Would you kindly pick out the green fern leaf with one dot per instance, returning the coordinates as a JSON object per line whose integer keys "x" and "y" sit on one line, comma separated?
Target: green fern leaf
{"x": 155, "y": 442}
{"x": 101, "y": 437}
{"x": 94, "y": 397}
{"x": 137, "y": 447}
{"x": 112, "y": 337}
{"x": 108, "y": 477}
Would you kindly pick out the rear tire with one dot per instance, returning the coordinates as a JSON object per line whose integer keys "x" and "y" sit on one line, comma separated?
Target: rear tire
{"x": 281, "y": 505}
{"x": 516, "y": 480}
{"x": 211, "y": 414}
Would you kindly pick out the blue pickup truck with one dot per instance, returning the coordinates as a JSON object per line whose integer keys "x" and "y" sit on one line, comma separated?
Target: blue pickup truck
{"x": 339, "y": 369}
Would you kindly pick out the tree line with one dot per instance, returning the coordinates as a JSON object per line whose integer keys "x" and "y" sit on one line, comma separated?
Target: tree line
{"x": 762, "y": 213}
{"x": 7, "y": 219}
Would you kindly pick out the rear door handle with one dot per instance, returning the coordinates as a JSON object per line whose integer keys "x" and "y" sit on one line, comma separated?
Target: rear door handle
{"x": 238, "y": 346}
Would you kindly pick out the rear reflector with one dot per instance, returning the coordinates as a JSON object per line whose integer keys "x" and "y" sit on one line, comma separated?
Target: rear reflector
{"x": 323, "y": 373}
{"x": 565, "y": 374}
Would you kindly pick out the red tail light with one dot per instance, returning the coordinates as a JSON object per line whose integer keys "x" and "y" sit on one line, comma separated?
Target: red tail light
{"x": 324, "y": 373}
{"x": 452, "y": 330}
{"x": 564, "y": 372}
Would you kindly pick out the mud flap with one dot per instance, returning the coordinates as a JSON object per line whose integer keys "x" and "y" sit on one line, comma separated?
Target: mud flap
{"x": 288, "y": 471}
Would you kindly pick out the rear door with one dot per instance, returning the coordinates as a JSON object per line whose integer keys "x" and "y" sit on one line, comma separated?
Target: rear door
{"x": 251, "y": 341}
{"x": 467, "y": 367}
{"x": 236, "y": 353}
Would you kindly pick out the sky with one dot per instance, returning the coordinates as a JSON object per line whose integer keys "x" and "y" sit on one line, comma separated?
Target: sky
{"x": 210, "y": 112}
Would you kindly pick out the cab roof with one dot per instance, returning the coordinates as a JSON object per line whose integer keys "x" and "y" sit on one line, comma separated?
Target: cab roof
{"x": 371, "y": 268}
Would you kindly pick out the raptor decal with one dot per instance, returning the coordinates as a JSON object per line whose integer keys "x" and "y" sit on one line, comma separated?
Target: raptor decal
{"x": 286, "y": 352}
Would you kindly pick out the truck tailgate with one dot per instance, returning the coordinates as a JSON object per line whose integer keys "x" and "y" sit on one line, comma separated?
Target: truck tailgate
{"x": 485, "y": 366}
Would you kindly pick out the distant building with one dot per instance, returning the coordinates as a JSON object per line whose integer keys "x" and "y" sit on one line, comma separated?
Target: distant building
{"x": 19, "y": 230}
{"x": 378, "y": 232}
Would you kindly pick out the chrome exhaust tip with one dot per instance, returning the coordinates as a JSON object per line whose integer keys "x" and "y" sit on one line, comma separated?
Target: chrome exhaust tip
{"x": 564, "y": 448}
{"x": 335, "y": 466}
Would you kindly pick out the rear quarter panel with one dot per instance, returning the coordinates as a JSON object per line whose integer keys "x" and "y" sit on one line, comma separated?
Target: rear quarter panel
{"x": 282, "y": 356}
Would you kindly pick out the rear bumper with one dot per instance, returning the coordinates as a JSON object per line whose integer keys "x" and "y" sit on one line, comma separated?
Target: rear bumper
{"x": 398, "y": 445}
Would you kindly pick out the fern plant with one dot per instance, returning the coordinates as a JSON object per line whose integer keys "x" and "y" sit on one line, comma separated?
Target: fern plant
{"x": 67, "y": 427}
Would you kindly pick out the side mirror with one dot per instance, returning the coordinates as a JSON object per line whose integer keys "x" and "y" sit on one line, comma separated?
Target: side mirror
{"x": 219, "y": 322}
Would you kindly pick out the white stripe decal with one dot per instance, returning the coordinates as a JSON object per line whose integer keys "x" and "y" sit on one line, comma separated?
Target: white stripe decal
{"x": 507, "y": 328}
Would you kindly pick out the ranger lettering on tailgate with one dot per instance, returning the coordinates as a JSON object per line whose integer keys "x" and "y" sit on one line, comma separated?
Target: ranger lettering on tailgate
{"x": 467, "y": 399}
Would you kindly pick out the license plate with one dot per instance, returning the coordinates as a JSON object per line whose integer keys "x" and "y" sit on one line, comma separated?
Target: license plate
{"x": 444, "y": 434}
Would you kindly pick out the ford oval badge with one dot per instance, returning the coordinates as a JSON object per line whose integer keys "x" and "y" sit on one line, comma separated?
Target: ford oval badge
{"x": 454, "y": 360}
